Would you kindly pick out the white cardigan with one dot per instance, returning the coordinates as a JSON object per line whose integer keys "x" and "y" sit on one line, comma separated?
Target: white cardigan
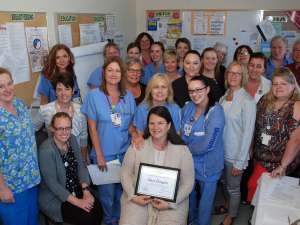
{"x": 239, "y": 126}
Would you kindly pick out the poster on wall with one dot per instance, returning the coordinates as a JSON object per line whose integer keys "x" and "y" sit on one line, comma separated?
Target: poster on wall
{"x": 209, "y": 22}
{"x": 37, "y": 45}
{"x": 165, "y": 26}
{"x": 13, "y": 51}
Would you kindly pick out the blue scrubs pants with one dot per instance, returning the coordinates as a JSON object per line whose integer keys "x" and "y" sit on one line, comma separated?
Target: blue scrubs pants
{"x": 24, "y": 211}
{"x": 109, "y": 196}
{"x": 201, "y": 215}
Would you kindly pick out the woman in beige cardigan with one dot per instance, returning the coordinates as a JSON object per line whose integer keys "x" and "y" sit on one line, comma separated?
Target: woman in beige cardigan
{"x": 162, "y": 147}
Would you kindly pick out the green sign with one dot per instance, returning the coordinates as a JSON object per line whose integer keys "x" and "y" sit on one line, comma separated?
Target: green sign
{"x": 67, "y": 18}
{"x": 279, "y": 19}
{"x": 22, "y": 16}
{"x": 99, "y": 18}
{"x": 162, "y": 13}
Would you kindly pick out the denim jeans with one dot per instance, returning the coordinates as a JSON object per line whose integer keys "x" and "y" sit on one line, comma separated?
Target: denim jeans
{"x": 232, "y": 190}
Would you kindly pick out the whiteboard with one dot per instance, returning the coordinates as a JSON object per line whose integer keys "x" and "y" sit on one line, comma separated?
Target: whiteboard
{"x": 87, "y": 59}
{"x": 240, "y": 29}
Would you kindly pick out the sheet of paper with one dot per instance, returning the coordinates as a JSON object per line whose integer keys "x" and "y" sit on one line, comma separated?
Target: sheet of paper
{"x": 65, "y": 35}
{"x": 89, "y": 33}
{"x": 37, "y": 44}
{"x": 112, "y": 175}
{"x": 13, "y": 51}
{"x": 285, "y": 190}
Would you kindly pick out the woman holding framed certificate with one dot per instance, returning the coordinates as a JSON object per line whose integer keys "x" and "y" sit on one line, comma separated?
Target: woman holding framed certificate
{"x": 202, "y": 130}
{"x": 157, "y": 179}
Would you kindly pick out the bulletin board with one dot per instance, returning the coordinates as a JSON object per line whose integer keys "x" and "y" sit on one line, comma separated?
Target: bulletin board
{"x": 25, "y": 90}
{"x": 206, "y": 27}
{"x": 74, "y": 20}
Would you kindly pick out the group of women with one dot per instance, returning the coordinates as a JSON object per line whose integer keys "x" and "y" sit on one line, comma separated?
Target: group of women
{"x": 178, "y": 109}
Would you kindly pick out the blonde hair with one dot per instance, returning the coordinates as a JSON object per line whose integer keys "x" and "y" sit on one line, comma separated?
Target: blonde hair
{"x": 154, "y": 81}
{"x": 287, "y": 75}
{"x": 244, "y": 73}
{"x": 168, "y": 55}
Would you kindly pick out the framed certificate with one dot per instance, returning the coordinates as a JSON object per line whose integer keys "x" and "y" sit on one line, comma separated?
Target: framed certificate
{"x": 157, "y": 181}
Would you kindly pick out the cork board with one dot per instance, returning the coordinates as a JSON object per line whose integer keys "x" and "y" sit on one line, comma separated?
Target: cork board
{"x": 75, "y": 19}
{"x": 31, "y": 19}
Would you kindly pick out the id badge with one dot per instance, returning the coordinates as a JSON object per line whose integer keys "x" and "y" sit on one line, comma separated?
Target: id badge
{"x": 187, "y": 129}
{"x": 116, "y": 119}
{"x": 265, "y": 139}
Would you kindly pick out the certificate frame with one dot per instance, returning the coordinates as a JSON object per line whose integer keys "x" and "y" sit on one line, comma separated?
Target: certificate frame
{"x": 164, "y": 187}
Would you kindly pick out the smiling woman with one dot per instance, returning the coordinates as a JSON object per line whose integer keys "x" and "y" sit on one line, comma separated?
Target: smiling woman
{"x": 109, "y": 111}
{"x": 162, "y": 147}
{"x": 60, "y": 59}
{"x": 19, "y": 171}
{"x": 64, "y": 195}
{"x": 63, "y": 84}
{"x": 158, "y": 93}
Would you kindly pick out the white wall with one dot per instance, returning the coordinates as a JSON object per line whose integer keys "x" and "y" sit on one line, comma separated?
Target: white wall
{"x": 143, "y": 5}
{"x": 131, "y": 13}
{"x": 124, "y": 9}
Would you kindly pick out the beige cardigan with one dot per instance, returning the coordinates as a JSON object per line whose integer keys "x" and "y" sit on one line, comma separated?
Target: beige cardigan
{"x": 176, "y": 156}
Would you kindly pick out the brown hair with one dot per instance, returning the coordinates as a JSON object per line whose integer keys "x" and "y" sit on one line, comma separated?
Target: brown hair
{"x": 50, "y": 67}
{"x": 217, "y": 68}
{"x": 121, "y": 85}
{"x": 3, "y": 70}
{"x": 60, "y": 115}
{"x": 110, "y": 45}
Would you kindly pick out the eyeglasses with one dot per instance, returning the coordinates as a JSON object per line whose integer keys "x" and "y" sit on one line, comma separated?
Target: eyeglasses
{"x": 234, "y": 73}
{"x": 196, "y": 91}
{"x": 62, "y": 129}
{"x": 134, "y": 71}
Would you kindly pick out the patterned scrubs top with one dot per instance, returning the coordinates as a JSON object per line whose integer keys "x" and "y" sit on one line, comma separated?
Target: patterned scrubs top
{"x": 18, "y": 156}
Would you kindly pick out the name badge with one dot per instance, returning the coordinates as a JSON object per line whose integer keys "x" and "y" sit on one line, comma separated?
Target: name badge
{"x": 199, "y": 133}
{"x": 187, "y": 129}
{"x": 265, "y": 138}
{"x": 116, "y": 119}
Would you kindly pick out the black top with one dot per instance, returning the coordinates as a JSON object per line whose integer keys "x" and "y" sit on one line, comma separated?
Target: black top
{"x": 72, "y": 181}
{"x": 139, "y": 99}
{"x": 221, "y": 77}
{"x": 180, "y": 90}
{"x": 181, "y": 95}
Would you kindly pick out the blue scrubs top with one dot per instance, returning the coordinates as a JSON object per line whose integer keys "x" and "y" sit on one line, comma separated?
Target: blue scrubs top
{"x": 114, "y": 140}
{"x": 149, "y": 71}
{"x": 140, "y": 118}
{"x": 271, "y": 67}
{"x": 204, "y": 137}
{"x": 45, "y": 88}
{"x": 95, "y": 78}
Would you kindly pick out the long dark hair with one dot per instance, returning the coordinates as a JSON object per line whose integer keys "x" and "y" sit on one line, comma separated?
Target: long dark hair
{"x": 211, "y": 98}
{"x": 193, "y": 52}
{"x": 164, "y": 113}
{"x": 50, "y": 67}
{"x": 141, "y": 35}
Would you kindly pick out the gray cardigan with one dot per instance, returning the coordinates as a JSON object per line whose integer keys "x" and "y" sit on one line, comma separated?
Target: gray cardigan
{"x": 53, "y": 192}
